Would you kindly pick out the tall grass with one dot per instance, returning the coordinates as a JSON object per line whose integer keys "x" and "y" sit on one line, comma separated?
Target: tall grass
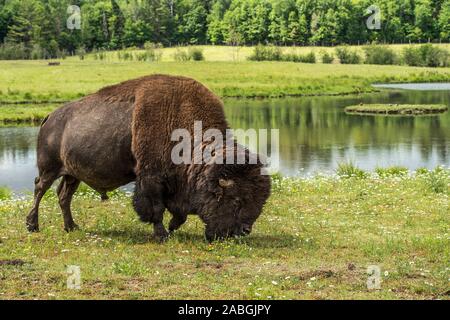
{"x": 350, "y": 170}
{"x": 19, "y": 51}
{"x": 376, "y": 54}
{"x": 348, "y": 56}
{"x": 391, "y": 171}
{"x": 196, "y": 54}
{"x": 5, "y": 193}
{"x": 327, "y": 57}
{"x": 438, "y": 180}
{"x": 190, "y": 54}
{"x": 273, "y": 53}
{"x": 304, "y": 58}
{"x": 266, "y": 53}
{"x": 426, "y": 55}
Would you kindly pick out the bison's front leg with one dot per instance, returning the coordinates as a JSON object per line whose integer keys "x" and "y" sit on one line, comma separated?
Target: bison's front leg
{"x": 147, "y": 202}
{"x": 176, "y": 222}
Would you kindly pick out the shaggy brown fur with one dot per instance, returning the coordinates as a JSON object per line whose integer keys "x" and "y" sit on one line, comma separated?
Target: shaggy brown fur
{"x": 123, "y": 133}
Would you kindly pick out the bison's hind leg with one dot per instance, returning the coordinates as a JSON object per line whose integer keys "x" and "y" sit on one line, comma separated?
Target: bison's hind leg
{"x": 41, "y": 185}
{"x": 66, "y": 190}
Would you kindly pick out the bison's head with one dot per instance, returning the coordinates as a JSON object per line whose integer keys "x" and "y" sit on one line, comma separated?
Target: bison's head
{"x": 232, "y": 198}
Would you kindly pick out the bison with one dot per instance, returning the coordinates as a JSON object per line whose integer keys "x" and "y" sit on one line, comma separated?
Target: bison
{"x": 122, "y": 134}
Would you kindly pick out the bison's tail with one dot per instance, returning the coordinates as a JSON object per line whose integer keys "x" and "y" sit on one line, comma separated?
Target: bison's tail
{"x": 45, "y": 120}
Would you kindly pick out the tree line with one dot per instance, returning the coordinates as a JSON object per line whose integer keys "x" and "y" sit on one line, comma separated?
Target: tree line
{"x": 39, "y": 27}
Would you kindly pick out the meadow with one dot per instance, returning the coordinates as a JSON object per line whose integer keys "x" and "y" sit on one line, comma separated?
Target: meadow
{"x": 315, "y": 240}
{"x": 36, "y": 82}
{"x": 242, "y": 53}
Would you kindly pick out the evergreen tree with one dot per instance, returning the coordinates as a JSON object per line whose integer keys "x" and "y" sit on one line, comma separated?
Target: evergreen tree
{"x": 40, "y": 25}
{"x": 26, "y": 21}
{"x": 117, "y": 22}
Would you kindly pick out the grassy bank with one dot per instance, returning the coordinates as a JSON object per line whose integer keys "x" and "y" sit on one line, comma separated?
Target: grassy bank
{"x": 35, "y": 81}
{"x": 229, "y": 53}
{"x": 315, "y": 239}
{"x": 397, "y": 109}
{"x": 24, "y": 114}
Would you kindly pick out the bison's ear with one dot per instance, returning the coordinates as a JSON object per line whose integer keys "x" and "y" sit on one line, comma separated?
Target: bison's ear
{"x": 226, "y": 183}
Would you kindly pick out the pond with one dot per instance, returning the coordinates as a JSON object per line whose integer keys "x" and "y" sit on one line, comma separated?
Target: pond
{"x": 315, "y": 135}
{"x": 414, "y": 86}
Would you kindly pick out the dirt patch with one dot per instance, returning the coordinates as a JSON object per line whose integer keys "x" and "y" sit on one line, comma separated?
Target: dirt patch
{"x": 16, "y": 262}
{"x": 318, "y": 274}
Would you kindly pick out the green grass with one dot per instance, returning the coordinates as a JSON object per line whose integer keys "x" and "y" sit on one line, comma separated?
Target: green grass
{"x": 397, "y": 109}
{"x": 228, "y": 53}
{"x": 24, "y": 114}
{"x": 392, "y": 171}
{"x": 314, "y": 240}
{"x": 349, "y": 170}
{"x": 5, "y": 193}
{"x": 35, "y": 81}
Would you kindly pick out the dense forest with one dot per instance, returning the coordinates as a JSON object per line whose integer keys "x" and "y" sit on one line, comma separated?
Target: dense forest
{"x": 40, "y": 26}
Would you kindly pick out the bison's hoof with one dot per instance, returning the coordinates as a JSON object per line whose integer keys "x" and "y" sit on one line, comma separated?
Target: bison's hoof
{"x": 32, "y": 227}
{"x": 161, "y": 237}
{"x": 173, "y": 227}
{"x": 71, "y": 227}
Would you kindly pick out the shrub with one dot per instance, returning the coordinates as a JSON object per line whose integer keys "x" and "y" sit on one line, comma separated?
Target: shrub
{"x": 411, "y": 57}
{"x": 27, "y": 96}
{"x": 52, "y": 49}
{"x": 37, "y": 52}
{"x": 62, "y": 54}
{"x": 308, "y": 58}
{"x": 125, "y": 55}
{"x": 349, "y": 170}
{"x": 426, "y": 55}
{"x": 81, "y": 52}
{"x": 438, "y": 180}
{"x": 196, "y": 54}
{"x": 327, "y": 57}
{"x": 347, "y": 56}
{"x": 291, "y": 57}
{"x": 181, "y": 55}
{"x": 266, "y": 53}
{"x": 376, "y": 54}
{"x": 294, "y": 57}
{"x": 152, "y": 52}
{"x": 434, "y": 56}
{"x": 192, "y": 53}
{"x": 14, "y": 51}
{"x": 100, "y": 55}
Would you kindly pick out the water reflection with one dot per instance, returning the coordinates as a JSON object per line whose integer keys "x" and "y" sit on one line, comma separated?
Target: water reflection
{"x": 18, "y": 157}
{"x": 315, "y": 135}
{"x": 415, "y": 86}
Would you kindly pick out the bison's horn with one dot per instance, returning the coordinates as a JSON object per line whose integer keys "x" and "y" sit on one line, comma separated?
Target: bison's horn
{"x": 225, "y": 183}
